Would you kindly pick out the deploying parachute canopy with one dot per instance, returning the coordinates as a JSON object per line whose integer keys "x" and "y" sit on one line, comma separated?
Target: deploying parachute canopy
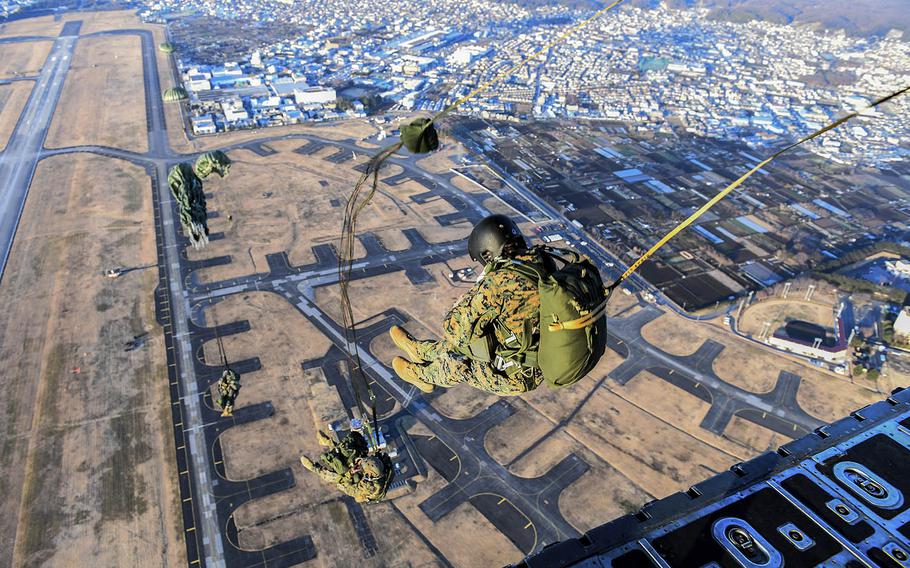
{"x": 185, "y": 182}
{"x": 213, "y": 162}
{"x": 167, "y": 47}
{"x": 175, "y": 94}
{"x": 187, "y": 189}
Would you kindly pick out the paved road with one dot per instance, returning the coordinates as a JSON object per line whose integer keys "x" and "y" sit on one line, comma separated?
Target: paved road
{"x": 18, "y": 162}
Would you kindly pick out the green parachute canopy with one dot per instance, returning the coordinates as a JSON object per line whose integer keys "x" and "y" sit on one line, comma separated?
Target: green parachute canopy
{"x": 167, "y": 47}
{"x": 420, "y": 136}
{"x": 187, "y": 189}
{"x": 213, "y": 162}
{"x": 175, "y": 94}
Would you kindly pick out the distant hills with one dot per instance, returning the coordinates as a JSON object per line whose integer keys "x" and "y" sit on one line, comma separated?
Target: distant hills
{"x": 858, "y": 17}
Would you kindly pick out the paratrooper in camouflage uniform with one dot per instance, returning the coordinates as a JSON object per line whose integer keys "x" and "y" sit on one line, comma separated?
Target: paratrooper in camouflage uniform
{"x": 348, "y": 466}
{"x": 228, "y": 388}
{"x": 503, "y": 306}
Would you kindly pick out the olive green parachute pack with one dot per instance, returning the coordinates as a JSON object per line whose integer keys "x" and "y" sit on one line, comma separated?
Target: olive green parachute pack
{"x": 420, "y": 136}
{"x": 185, "y": 181}
{"x": 573, "y": 333}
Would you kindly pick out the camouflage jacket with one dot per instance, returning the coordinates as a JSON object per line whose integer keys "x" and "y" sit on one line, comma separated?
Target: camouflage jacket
{"x": 353, "y": 483}
{"x": 340, "y": 457}
{"x": 502, "y": 298}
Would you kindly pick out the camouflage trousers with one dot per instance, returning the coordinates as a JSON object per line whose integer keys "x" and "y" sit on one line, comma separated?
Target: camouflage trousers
{"x": 447, "y": 368}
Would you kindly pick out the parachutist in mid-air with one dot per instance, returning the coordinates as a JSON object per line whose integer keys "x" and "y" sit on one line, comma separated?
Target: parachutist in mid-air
{"x": 492, "y": 337}
{"x": 348, "y": 466}
{"x": 228, "y": 389}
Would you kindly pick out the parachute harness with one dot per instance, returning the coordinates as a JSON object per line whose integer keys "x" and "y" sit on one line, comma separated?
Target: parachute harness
{"x": 419, "y": 137}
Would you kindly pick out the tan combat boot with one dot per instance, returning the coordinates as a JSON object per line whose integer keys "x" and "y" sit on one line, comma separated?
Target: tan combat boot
{"x": 306, "y": 462}
{"x": 323, "y": 439}
{"x": 406, "y": 343}
{"x": 405, "y": 369}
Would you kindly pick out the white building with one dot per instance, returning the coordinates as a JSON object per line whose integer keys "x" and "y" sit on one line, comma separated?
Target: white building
{"x": 468, "y": 54}
{"x": 203, "y": 124}
{"x": 198, "y": 85}
{"x": 315, "y": 96}
{"x": 902, "y": 324}
{"x": 900, "y": 268}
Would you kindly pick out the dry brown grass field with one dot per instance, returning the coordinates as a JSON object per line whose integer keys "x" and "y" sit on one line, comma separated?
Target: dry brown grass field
{"x": 45, "y": 25}
{"x": 777, "y": 312}
{"x": 87, "y": 449}
{"x": 756, "y": 368}
{"x": 23, "y": 59}
{"x": 87, "y": 453}
{"x": 103, "y": 100}
{"x": 291, "y": 202}
{"x": 12, "y": 100}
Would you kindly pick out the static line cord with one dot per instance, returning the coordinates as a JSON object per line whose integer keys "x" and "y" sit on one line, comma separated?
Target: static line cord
{"x": 599, "y": 311}
{"x": 224, "y": 360}
{"x": 726, "y": 191}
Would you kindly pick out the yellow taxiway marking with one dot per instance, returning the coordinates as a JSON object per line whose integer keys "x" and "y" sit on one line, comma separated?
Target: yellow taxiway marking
{"x": 184, "y": 472}
{"x": 453, "y": 458}
{"x": 501, "y": 501}
{"x": 194, "y": 562}
{"x": 527, "y": 526}
{"x": 219, "y": 462}
{"x": 187, "y": 499}
{"x": 191, "y": 529}
{"x": 433, "y": 437}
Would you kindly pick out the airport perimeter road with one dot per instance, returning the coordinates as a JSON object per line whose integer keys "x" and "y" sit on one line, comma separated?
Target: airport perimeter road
{"x": 18, "y": 162}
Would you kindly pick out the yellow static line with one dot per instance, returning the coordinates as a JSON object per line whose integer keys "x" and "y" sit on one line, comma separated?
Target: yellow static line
{"x": 726, "y": 191}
